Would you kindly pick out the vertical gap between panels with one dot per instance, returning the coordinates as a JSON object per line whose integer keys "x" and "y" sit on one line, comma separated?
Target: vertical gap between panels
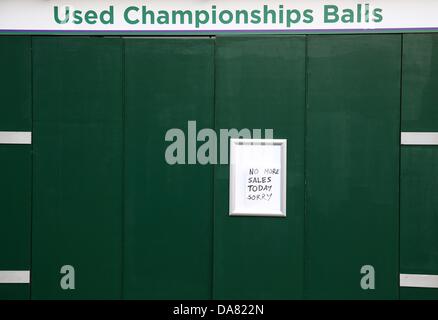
{"x": 214, "y": 173}
{"x": 32, "y": 159}
{"x": 400, "y": 162}
{"x": 306, "y": 100}
{"x": 122, "y": 247}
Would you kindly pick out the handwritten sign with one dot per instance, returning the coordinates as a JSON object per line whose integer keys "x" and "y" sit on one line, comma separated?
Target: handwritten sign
{"x": 258, "y": 177}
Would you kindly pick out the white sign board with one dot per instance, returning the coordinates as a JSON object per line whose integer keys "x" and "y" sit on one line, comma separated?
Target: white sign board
{"x": 216, "y": 16}
{"x": 258, "y": 177}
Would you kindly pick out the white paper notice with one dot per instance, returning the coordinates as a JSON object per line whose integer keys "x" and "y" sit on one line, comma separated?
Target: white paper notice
{"x": 258, "y": 177}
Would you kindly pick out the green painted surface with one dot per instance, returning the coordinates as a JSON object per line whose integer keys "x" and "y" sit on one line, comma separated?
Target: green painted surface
{"x": 418, "y": 294}
{"x": 420, "y": 82}
{"x": 15, "y": 84}
{"x": 419, "y": 210}
{"x": 14, "y": 291}
{"x": 78, "y": 140}
{"x": 419, "y": 165}
{"x": 352, "y": 171}
{"x": 15, "y": 211}
{"x": 260, "y": 84}
{"x": 15, "y": 162}
{"x": 81, "y": 85}
{"x": 168, "y": 208}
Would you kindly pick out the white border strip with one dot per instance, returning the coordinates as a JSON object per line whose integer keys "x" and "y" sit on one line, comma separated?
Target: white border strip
{"x": 15, "y": 276}
{"x": 419, "y": 138}
{"x": 419, "y": 280}
{"x": 15, "y": 137}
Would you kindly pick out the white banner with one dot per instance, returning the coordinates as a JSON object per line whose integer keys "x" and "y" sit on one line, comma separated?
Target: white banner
{"x": 206, "y": 16}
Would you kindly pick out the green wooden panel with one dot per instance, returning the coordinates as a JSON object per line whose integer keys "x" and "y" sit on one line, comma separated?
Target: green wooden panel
{"x": 15, "y": 162}
{"x": 15, "y": 84}
{"x": 352, "y": 153}
{"x": 14, "y": 291}
{"x": 77, "y": 181}
{"x": 420, "y": 82}
{"x": 419, "y": 169}
{"x": 168, "y": 208}
{"x": 260, "y": 84}
{"x": 419, "y": 210}
{"x": 418, "y": 294}
{"x": 15, "y": 209}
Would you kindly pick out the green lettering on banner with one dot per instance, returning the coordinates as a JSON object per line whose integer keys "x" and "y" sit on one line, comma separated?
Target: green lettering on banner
{"x": 281, "y": 15}
{"x": 127, "y": 13}
{"x": 56, "y": 15}
{"x": 331, "y": 14}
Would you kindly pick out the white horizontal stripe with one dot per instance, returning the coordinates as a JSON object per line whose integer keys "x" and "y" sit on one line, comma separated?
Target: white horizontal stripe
{"x": 15, "y": 276}
{"x": 419, "y": 138}
{"x": 15, "y": 137}
{"x": 419, "y": 280}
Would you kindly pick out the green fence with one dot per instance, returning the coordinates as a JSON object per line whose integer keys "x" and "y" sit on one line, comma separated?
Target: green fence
{"x": 93, "y": 190}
